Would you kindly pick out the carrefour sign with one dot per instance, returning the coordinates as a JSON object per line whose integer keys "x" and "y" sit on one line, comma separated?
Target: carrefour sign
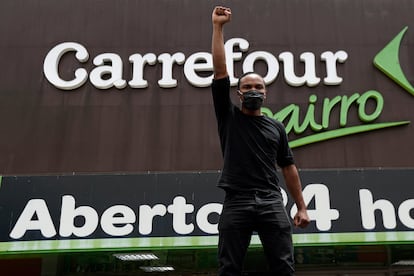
{"x": 111, "y": 64}
{"x": 197, "y": 70}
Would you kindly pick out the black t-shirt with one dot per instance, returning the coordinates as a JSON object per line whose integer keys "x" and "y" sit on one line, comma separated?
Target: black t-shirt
{"x": 251, "y": 145}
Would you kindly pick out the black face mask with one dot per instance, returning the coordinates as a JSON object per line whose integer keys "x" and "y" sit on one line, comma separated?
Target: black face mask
{"x": 252, "y": 100}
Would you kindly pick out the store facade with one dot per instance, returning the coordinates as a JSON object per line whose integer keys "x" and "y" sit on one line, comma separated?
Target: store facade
{"x": 109, "y": 141}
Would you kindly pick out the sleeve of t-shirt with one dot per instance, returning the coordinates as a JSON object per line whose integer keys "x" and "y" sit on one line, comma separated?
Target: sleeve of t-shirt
{"x": 285, "y": 154}
{"x": 221, "y": 97}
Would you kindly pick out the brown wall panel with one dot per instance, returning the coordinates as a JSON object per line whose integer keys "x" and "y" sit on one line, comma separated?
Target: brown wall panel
{"x": 48, "y": 130}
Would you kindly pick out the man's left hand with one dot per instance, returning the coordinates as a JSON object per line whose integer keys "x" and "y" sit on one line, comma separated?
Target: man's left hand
{"x": 301, "y": 219}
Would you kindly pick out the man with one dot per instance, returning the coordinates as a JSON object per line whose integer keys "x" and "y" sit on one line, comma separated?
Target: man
{"x": 252, "y": 145}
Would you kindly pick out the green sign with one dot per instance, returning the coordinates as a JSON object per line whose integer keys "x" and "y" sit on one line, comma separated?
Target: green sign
{"x": 387, "y": 60}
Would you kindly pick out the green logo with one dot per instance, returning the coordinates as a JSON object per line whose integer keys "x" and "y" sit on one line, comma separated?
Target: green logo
{"x": 387, "y": 60}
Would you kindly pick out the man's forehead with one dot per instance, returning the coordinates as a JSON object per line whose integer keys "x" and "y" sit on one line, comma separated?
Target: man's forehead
{"x": 253, "y": 77}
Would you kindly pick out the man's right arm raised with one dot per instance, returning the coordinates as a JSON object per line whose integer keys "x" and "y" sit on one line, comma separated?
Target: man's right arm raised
{"x": 220, "y": 16}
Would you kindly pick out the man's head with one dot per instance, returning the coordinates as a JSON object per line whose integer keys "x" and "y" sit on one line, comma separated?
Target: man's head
{"x": 252, "y": 90}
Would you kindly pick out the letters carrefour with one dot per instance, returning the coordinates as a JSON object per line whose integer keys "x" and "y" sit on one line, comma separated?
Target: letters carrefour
{"x": 198, "y": 67}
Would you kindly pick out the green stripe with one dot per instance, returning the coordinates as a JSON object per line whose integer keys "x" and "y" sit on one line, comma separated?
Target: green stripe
{"x": 153, "y": 243}
{"x": 342, "y": 132}
{"x": 400, "y": 237}
{"x": 1, "y": 178}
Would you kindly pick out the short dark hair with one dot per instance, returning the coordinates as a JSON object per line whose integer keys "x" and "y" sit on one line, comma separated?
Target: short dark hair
{"x": 243, "y": 75}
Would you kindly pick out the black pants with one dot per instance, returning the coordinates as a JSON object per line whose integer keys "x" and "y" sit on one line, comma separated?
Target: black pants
{"x": 262, "y": 212}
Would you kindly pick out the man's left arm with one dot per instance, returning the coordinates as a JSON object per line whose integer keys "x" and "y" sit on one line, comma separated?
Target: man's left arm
{"x": 294, "y": 186}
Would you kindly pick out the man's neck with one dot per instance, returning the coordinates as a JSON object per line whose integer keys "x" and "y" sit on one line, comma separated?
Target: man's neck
{"x": 256, "y": 112}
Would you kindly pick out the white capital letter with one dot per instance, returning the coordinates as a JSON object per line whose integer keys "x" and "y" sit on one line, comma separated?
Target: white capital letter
{"x": 51, "y": 65}
{"x": 43, "y": 223}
